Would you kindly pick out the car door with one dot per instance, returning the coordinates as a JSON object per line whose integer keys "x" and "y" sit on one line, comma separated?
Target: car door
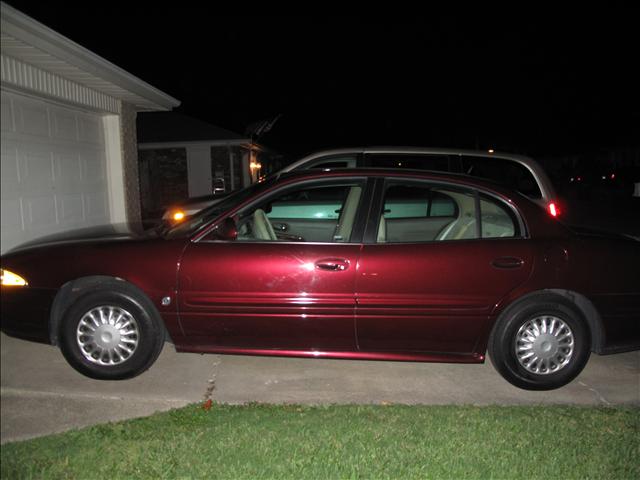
{"x": 265, "y": 291}
{"x": 435, "y": 293}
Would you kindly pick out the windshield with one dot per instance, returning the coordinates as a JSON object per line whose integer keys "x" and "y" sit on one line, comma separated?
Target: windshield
{"x": 206, "y": 215}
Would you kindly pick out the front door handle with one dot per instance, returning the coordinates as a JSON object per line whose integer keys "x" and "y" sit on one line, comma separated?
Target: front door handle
{"x": 332, "y": 264}
{"x": 507, "y": 262}
{"x": 282, "y": 227}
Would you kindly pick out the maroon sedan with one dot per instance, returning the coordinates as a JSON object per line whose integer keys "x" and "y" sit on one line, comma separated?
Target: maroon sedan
{"x": 354, "y": 264}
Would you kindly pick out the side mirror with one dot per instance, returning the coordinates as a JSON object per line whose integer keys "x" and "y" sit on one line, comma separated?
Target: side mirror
{"x": 227, "y": 230}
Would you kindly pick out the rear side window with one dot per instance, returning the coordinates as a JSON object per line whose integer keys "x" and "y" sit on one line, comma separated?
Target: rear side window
{"x": 414, "y": 213}
{"x": 497, "y": 220}
{"x": 439, "y": 163}
{"x": 506, "y": 172}
{"x": 408, "y": 201}
{"x": 333, "y": 162}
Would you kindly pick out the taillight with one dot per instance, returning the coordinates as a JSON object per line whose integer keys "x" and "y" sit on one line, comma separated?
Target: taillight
{"x": 554, "y": 211}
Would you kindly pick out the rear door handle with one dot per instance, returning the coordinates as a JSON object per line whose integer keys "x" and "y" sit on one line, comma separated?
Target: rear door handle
{"x": 332, "y": 264}
{"x": 507, "y": 262}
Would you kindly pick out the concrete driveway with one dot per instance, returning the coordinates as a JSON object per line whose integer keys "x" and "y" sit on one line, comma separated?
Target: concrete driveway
{"x": 41, "y": 394}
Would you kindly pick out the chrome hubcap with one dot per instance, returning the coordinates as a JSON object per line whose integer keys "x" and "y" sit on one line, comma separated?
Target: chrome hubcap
{"x": 107, "y": 335}
{"x": 544, "y": 345}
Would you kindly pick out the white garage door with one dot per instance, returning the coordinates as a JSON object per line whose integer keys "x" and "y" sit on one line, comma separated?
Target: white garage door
{"x": 53, "y": 174}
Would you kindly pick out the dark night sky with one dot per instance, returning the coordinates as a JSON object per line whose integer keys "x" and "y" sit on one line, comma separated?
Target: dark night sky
{"x": 533, "y": 82}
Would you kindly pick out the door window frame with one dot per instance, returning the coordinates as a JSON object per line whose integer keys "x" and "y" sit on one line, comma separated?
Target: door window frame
{"x": 377, "y": 204}
{"x": 359, "y": 225}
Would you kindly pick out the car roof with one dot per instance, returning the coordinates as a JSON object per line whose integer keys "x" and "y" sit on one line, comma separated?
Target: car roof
{"x": 540, "y": 176}
{"x": 445, "y": 177}
{"x": 413, "y": 151}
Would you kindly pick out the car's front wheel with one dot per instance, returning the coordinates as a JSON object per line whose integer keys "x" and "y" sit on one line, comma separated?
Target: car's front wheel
{"x": 111, "y": 334}
{"x": 540, "y": 343}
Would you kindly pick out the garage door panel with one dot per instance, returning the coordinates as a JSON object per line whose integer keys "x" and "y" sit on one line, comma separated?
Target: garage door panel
{"x": 71, "y": 209}
{"x": 93, "y": 166}
{"x": 54, "y": 174}
{"x": 67, "y": 170}
{"x": 9, "y": 173}
{"x": 64, "y": 125}
{"x": 10, "y": 238}
{"x": 6, "y": 117}
{"x": 10, "y": 215}
{"x": 36, "y": 169}
{"x": 40, "y": 213}
{"x": 90, "y": 129}
{"x": 32, "y": 118}
{"x": 97, "y": 206}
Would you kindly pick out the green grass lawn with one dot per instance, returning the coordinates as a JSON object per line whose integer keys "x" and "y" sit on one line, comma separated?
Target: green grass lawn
{"x": 266, "y": 441}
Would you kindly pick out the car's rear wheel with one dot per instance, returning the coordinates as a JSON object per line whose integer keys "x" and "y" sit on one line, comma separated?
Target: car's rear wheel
{"x": 540, "y": 343}
{"x": 111, "y": 334}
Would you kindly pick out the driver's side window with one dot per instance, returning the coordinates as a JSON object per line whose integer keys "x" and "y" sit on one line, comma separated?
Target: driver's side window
{"x": 312, "y": 213}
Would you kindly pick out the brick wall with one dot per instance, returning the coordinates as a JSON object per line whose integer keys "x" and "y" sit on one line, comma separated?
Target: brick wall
{"x": 130, "y": 162}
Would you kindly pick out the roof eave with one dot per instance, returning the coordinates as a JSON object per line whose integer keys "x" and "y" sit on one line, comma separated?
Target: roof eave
{"x": 26, "y": 29}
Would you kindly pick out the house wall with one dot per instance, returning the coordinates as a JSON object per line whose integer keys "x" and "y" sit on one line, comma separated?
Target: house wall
{"x": 130, "y": 162}
{"x": 204, "y": 158}
{"x": 199, "y": 168}
{"x": 163, "y": 180}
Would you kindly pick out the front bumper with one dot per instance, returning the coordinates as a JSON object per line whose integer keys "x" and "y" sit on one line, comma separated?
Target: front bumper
{"x": 25, "y": 312}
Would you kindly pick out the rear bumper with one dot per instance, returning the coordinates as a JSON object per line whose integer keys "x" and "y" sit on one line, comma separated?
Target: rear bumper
{"x": 25, "y": 312}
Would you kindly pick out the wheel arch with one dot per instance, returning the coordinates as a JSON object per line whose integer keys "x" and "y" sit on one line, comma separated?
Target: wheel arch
{"x": 73, "y": 290}
{"x": 584, "y": 306}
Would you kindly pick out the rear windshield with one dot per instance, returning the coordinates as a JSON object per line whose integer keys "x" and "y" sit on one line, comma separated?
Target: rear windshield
{"x": 506, "y": 172}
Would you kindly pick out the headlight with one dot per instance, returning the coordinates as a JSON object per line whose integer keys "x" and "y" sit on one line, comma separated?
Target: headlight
{"x": 10, "y": 279}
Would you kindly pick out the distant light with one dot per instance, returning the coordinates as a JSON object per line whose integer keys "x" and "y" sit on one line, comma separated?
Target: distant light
{"x": 490, "y": 150}
{"x": 613, "y": 176}
{"x": 553, "y": 210}
{"x": 604, "y": 177}
{"x": 399, "y": 164}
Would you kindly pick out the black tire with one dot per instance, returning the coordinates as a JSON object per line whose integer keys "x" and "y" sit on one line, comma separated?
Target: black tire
{"x": 561, "y": 368}
{"x": 148, "y": 334}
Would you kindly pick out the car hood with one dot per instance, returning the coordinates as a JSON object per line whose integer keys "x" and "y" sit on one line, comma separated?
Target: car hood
{"x": 100, "y": 233}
